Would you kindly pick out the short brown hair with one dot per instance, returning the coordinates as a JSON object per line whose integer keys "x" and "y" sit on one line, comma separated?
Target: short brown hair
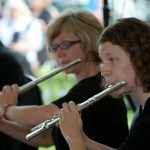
{"x": 133, "y": 35}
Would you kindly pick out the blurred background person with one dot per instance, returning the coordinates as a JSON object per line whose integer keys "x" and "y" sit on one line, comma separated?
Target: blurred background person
{"x": 40, "y": 10}
{"x": 20, "y": 31}
{"x": 62, "y": 5}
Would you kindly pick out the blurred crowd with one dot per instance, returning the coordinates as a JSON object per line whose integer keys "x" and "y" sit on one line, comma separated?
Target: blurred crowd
{"x": 23, "y": 25}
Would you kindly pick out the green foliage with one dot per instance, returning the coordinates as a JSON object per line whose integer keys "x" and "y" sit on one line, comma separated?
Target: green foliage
{"x": 49, "y": 148}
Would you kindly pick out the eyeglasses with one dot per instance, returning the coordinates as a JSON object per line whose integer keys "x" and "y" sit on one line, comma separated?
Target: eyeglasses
{"x": 64, "y": 45}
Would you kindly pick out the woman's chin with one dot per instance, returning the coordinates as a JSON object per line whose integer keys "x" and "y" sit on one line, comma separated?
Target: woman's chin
{"x": 118, "y": 94}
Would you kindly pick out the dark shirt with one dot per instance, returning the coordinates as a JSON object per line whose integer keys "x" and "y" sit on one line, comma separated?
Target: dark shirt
{"x": 140, "y": 131}
{"x": 11, "y": 72}
{"x": 105, "y": 121}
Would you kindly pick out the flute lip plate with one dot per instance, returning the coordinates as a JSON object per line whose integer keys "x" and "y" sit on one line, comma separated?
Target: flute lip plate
{"x": 123, "y": 82}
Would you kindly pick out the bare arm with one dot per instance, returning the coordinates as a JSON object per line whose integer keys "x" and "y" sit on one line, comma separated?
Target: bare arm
{"x": 31, "y": 115}
{"x": 25, "y": 115}
{"x": 19, "y": 132}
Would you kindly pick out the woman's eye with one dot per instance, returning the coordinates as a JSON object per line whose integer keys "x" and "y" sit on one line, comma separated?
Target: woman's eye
{"x": 66, "y": 44}
{"x": 112, "y": 59}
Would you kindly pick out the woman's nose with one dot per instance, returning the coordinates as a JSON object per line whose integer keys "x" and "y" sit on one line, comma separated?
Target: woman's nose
{"x": 60, "y": 53}
{"x": 105, "y": 70}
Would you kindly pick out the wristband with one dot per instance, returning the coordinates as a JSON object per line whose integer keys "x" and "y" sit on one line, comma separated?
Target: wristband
{"x": 4, "y": 111}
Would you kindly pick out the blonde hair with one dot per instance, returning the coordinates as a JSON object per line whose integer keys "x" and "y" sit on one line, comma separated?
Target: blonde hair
{"x": 83, "y": 24}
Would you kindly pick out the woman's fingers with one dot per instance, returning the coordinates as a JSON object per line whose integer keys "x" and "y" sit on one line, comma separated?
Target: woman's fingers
{"x": 9, "y": 95}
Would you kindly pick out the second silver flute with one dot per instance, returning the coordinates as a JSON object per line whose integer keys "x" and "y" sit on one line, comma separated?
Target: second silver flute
{"x": 49, "y": 123}
{"x": 33, "y": 83}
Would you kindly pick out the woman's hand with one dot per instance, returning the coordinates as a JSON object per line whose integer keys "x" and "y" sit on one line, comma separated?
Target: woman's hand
{"x": 70, "y": 121}
{"x": 9, "y": 95}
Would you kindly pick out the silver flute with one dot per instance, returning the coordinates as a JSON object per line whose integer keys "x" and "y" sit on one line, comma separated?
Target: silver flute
{"x": 33, "y": 83}
{"x": 49, "y": 123}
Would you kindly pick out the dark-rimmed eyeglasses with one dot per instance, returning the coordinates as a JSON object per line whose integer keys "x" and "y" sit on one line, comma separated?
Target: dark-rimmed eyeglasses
{"x": 64, "y": 45}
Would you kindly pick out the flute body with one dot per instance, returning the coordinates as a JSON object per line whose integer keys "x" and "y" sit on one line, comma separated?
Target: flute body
{"x": 33, "y": 83}
{"x": 49, "y": 123}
